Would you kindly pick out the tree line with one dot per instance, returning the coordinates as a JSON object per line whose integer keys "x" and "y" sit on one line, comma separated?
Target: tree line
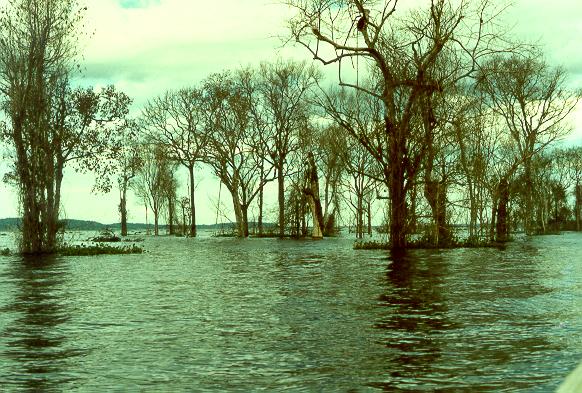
{"x": 445, "y": 122}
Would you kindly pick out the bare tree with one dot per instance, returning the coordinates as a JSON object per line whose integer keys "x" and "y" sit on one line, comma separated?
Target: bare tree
{"x": 406, "y": 57}
{"x": 129, "y": 162}
{"x": 358, "y": 118}
{"x": 175, "y": 120}
{"x": 37, "y": 45}
{"x": 285, "y": 89}
{"x": 231, "y": 142}
{"x": 533, "y": 101}
{"x": 574, "y": 164}
{"x": 51, "y": 124}
{"x": 330, "y": 147}
{"x": 151, "y": 182}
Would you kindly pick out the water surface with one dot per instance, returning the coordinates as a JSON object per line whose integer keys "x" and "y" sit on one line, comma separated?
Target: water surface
{"x": 268, "y": 314}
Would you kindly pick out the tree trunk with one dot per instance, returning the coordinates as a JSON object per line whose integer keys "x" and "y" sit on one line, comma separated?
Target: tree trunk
{"x": 260, "y": 218}
{"x": 123, "y": 208}
{"x": 369, "y": 218}
{"x": 171, "y": 215}
{"x": 435, "y": 193}
{"x": 359, "y": 216}
{"x": 528, "y": 189}
{"x": 238, "y": 213}
{"x": 156, "y": 229}
{"x": 501, "y": 225}
{"x": 281, "y": 199}
{"x": 183, "y": 220}
{"x": 245, "y": 217}
{"x": 192, "y": 205}
{"x": 312, "y": 191}
{"x": 578, "y": 205}
{"x": 397, "y": 180}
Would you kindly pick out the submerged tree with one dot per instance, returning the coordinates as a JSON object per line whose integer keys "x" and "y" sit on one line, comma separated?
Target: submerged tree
{"x": 285, "y": 89}
{"x": 412, "y": 59}
{"x": 37, "y": 45}
{"x": 534, "y": 103}
{"x": 153, "y": 180}
{"x": 50, "y": 123}
{"x": 232, "y": 139}
{"x": 129, "y": 161}
{"x": 176, "y": 121}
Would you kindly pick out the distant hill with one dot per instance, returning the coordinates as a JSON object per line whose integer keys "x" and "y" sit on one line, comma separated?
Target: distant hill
{"x": 10, "y": 224}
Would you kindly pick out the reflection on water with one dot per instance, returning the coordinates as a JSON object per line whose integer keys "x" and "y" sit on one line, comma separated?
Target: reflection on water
{"x": 415, "y": 312}
{"x": 229, "y": 314}
{"x": 37, "y": 309}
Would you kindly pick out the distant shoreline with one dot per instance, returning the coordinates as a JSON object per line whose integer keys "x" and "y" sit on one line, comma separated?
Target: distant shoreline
{"x": 11, "y": 224}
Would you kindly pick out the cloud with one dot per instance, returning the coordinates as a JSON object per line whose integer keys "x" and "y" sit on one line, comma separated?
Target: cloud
{"x": 555, "y": 26}
{"x": 150, "y": 46}
{"x": 138, "y": 3}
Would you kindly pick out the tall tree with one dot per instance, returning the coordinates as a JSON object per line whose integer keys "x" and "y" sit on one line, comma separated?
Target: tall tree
{"x": 129, "y": 162}
{"x": 50, "y": 123}
{"x": 406, "y": 57}
{"x": 230, "y": 151}
{"x": 574, "y": 165}
{"x": 534, "y": 102}
{"x": 151, "y": 183}
{"x": 285, "y": 90}
{"x": 37, "y": 45}
{"x": 175, "y": 120}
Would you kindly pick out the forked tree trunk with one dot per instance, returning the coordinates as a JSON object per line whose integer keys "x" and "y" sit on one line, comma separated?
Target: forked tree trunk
{"x": 312, "y": 192}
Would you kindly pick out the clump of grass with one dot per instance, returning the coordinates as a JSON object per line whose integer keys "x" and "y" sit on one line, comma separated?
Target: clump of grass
{"x": 371, "y": 245}
{"x": 136, "y": 240}
{"x": 428, "y": 245}
{"x": 99, "y": 249}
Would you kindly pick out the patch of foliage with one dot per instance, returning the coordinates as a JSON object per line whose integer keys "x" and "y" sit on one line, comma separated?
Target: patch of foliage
{"x": 371, "y": 245}
{"x": 5, "y": 252}
{"x": 99, "y": 249}
{"x": 424, "y": 244}
{"x": 107, "y": 235}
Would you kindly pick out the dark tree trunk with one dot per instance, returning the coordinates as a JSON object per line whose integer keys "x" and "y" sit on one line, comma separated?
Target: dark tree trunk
{"x": 171, "y": 216}
{"x": 281, "y": 199}
{"x": 123, "y": 210}
{"x": 501, "y": 225}
{"x": 183, "y": 220}
{"x": 245, "y": 217}
{"x": 312, "y": 192}
{"x": 260, "y": 217}
{"x": 359, "y": 217}
{"x": 396, "y": 177}
{"x": 435, "y": 193}
{"x": 578, "y": 206}
{"x": 192, "y": 205}
{"x": 527, "y": 190}
{"x": 156, "y": 227}
{"x": 369, "y": 218}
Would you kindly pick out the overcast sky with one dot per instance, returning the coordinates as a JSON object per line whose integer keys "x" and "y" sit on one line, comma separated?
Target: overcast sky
{"x": 145, "y": 47}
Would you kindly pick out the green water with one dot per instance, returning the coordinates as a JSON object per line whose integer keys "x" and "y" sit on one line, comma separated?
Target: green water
{"x": 267, "y": 314}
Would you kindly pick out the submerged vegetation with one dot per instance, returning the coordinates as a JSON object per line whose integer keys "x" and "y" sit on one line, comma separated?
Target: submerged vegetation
{"x": 98, "y": 249}
{"x": 448, "y": 121}
{"x": 424, "y": 243}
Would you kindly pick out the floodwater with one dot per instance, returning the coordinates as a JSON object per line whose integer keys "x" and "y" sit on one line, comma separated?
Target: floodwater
{"x": 266, "y": 314}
